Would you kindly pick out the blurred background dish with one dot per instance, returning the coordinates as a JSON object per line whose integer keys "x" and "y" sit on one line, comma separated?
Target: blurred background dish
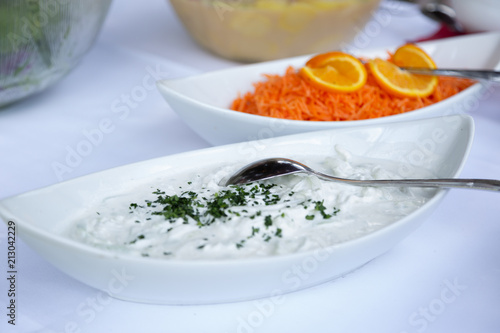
{"x": 258, "y": 30}
{"x": 463, "y": 16}
{"x": 41, "y": 41}
{"x": 478, "y": 15}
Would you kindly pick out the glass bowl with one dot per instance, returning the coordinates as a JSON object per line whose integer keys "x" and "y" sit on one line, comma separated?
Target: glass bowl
{"x": 259, "y": 30}
{"x": 41, "y": 41}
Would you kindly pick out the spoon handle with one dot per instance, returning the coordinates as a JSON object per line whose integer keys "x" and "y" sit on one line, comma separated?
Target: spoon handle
{"x": 488, "y": 75}
{"x": 479, "y": 184}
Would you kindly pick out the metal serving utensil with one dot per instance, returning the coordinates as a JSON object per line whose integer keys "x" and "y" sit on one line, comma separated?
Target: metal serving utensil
{"x": 474, "y": 74}
{"x": 276, "y": 167}
{"x": 488, "y": 75}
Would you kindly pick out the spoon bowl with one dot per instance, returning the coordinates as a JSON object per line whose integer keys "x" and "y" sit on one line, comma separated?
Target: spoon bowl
{"x": 275, "y": 167}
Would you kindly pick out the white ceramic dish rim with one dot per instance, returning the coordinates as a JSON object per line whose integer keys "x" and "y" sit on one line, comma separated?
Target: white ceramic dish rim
{"x": 28, "y": 227}
{"x": 428, "y": 111}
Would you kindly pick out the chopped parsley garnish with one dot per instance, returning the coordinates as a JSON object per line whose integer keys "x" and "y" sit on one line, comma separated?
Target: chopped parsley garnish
{"x": 268, "y": 221}
{"x": 320, "y": 207}
{"x": 175, "y": 207}
{"x": 137, "y": 238}
{"x": 189, "y": 207}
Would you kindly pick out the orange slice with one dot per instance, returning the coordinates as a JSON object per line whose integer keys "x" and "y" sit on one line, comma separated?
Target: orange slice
{"x": 399, "y": 82}
{"x": 335, "y": 71}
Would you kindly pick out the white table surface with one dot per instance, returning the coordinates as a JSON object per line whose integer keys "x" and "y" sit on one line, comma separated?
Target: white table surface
{"x": 444, "y": 278}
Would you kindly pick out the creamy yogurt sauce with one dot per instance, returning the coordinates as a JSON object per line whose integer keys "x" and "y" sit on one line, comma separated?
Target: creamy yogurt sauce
{"x": 192, "y": 217}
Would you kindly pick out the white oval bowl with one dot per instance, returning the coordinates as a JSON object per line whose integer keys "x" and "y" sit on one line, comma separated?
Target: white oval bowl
{"x": 202, "y": 101}
{"x": 42, "y": 217}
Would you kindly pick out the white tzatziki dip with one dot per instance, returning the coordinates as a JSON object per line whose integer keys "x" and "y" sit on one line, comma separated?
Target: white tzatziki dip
{"x": 192, "y": 217}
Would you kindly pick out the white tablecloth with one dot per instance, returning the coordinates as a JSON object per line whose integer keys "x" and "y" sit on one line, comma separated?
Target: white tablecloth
{"x": 444, "y": 278}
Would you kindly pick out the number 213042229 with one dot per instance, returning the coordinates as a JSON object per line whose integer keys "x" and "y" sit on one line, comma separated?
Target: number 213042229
{"x": 11, "y": 248}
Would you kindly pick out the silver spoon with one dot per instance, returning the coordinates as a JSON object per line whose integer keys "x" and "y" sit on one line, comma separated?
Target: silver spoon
{"x": 441, "y": 12}
{"x": 474, "y": 74}
{"x": 275, "y": 167}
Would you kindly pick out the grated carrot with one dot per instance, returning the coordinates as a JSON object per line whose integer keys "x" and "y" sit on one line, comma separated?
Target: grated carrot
{"x": 289, "y": 96}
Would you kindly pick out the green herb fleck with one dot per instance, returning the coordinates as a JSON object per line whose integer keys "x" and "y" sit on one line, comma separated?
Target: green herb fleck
{"x": 268, "y": 221}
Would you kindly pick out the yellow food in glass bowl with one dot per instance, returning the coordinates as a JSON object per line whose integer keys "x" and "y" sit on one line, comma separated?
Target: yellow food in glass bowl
{"x": 258, "y": 30}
